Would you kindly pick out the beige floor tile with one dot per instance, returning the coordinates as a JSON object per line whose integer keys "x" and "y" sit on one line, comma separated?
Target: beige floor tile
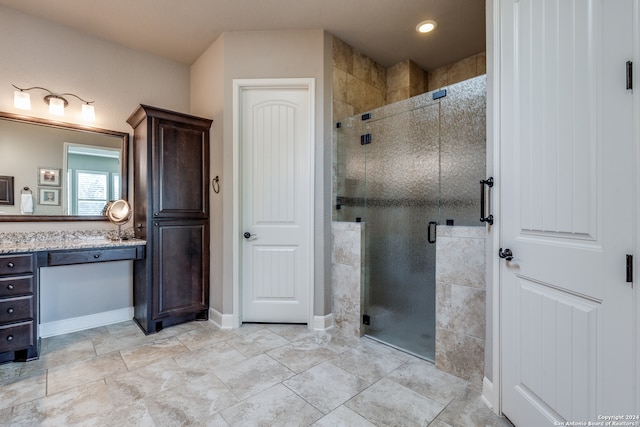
{"x": 149, "y": 380}
{"x": 467, "y": 409}
{"x": 206, "y": 359}
{"x": 387, "y": 403}
{"x": 277, "y": 406}
{"x": 326, "y": 386}
{"x": 301, "y": 355}
{"x": 257, "y": 342}
{"x": 71, "y": 407}
{"x": 343, "y": 417}
{"x": 367, "y": 364}
{"x": 424, "y": 378}
{"x": 253, "y": 375}
{"x": 192, "y": 403}
{"x": 75, "y": 374}
{"x": 141, "y": 356}
{"x": 291, "y": 332}
{"x": 23, "y": 389}
{"x": 70, "y": 352}
{"x": 204, "y": 337}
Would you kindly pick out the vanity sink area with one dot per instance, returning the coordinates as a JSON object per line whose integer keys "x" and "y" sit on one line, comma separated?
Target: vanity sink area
{"x": 22, "y": 255}
{"x": 16, "y": 242}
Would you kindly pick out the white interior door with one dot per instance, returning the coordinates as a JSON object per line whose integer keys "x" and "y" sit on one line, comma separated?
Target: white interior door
{"x": 276, "y": 204}
{"x": 566, "y": 131}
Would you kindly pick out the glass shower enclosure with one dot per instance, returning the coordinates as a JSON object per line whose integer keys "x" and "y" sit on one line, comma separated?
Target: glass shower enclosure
{"x": 404, "y": 169}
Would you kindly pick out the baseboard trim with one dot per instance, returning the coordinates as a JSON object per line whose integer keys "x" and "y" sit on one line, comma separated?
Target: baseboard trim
{"x": 487, "y": 394}
{"x": 74, "y": 324}
{"x": 322, "y": 323}
{"x": 223, "y": 321}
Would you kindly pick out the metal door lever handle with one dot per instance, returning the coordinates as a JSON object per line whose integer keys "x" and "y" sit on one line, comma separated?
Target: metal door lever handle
{"x": 248, "y": 235}
{"x": 506, "y": 254}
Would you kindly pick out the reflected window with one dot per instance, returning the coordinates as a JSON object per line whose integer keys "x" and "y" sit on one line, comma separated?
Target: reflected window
{"x": 93, "y": 178}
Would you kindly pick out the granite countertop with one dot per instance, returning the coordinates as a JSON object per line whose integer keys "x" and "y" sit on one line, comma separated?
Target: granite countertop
{"x": 16, "y": 242}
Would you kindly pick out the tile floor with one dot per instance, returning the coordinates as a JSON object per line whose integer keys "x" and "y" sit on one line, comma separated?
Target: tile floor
{"x": 258, "y": 375}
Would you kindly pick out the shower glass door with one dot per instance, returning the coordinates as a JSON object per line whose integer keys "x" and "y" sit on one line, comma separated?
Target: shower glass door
{"x": 402, "y": 188}
{"x": 408, "y": 167}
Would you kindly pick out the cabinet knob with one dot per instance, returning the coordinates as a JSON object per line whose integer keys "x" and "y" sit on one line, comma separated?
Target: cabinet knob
{"x": 10, "y": 265}
{"x": 96, "y": 256}
{"x": 10, "y": 338}
{"x": 10, "y": 310}
{"x": 10, "y": 287}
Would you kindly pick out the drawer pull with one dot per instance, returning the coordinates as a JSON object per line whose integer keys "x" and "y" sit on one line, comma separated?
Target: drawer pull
{"x": 11, "y": 265}
{"x": 10, "y": 338}
{"x": 10, "y": 287}
{"x": 96, "y": 256}
{"x": 10, "y": 310}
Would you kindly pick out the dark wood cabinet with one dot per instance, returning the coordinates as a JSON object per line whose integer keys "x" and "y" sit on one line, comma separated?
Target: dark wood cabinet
{"x": 18, "y": 307}
{"x": 171, "y": 212}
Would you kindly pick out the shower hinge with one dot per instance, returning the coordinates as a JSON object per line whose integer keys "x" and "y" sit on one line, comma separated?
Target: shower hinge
{"x": 629, "y": 75}
{"x": 365, "y": 116}
{"x": 365, "y": 139}
{"x": 366, "y": 320}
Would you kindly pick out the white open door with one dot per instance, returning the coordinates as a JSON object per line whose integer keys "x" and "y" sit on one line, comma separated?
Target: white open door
{"x": 277, "y": 193}
{"x": 568, "y": 210}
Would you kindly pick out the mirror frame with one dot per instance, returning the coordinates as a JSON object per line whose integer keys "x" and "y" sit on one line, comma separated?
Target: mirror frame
{"x": 124, "y": 168}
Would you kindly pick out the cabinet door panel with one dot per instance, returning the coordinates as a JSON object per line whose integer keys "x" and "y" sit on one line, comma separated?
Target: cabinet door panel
{"x": 180, "y": 267}
{"x": 181, "y": 177}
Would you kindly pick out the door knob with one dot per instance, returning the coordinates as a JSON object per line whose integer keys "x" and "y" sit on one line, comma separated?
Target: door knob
{"x": 506, "y": 254}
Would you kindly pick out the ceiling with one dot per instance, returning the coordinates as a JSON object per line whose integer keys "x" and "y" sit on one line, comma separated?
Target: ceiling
{"x": 181, "y": 30}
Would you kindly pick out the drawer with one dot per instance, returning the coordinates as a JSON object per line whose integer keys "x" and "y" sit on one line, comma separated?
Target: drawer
{"x": 16, "y": 336}
{"x": 14, "y": 286}
{"x": 16, "y": 309}
{"x": 16, "y": 264}
{"x": 89, "y": 256}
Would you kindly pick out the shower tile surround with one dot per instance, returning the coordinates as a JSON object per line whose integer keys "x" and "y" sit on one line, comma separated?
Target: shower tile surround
{"x": 347, "y": 275}
{"x": 460, "y": 301}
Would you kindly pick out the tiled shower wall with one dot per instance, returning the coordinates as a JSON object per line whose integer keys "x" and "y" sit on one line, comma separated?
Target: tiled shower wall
{"x": 347, "y": 275}
{"x": 460, "y": 301}
{"x": 360, "y": 84}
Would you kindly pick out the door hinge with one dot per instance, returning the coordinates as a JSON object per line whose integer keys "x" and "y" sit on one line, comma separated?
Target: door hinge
{"x": 629, "y": 75}
{"x": 630, "y": 269}
{"x": 366, "y": 320}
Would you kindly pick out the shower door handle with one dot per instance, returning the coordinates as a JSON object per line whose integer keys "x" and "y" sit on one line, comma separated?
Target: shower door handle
{"x": 489, "y": 183}
{"x": 431, "y": 237}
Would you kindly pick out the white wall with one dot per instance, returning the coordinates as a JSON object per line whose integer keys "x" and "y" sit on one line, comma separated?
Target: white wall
{"x": 36, "y": 52}
{"x": 253, "y": 55}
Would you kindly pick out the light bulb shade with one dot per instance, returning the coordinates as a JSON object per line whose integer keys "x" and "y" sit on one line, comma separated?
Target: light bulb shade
{"x": 21, "y": 100}
{"x": 88, "y": 112}
{"x": 56, "y": 106}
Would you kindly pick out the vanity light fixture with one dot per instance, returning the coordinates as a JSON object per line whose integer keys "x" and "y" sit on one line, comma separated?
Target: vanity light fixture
{"x": 56, "y": 102}
{"x": 426, "y": 26}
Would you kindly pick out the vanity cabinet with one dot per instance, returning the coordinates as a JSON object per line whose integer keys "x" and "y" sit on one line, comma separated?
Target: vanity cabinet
{"x": 18, "y": 307}
{"x": 171, "y": 212}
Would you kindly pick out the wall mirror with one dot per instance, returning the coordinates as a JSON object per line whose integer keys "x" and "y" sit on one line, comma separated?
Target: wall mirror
{"x": 70, "y": 171}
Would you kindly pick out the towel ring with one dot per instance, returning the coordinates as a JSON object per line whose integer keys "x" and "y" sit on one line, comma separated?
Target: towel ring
{"x": 25, "y": 189}
{"x": 215, "y": 183}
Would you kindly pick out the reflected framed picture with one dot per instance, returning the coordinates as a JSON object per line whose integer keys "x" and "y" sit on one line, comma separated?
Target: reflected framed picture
{"x": 49, "y": 196}
{"x": 6, "y": 190}
{"x": 49, "y": 176}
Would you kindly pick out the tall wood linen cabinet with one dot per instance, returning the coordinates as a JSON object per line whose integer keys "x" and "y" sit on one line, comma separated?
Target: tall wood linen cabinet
{"x": 171, "y": 212}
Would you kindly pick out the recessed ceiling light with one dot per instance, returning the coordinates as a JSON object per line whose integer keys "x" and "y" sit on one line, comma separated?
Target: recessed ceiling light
{"x": 426, "y": 26}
